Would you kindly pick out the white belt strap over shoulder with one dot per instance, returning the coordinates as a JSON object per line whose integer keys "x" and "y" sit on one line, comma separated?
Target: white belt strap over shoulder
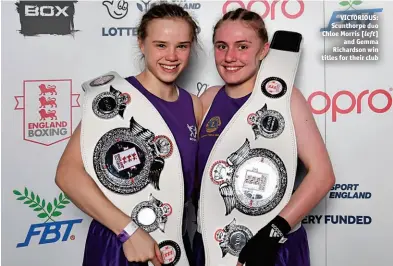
{"x": 250, "y": 173}
{"x": 131, "y": 154}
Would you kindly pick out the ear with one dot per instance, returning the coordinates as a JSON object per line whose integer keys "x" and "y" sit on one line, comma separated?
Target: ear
{"x": 264, "y": 51}
{"x": 141, "y": 46}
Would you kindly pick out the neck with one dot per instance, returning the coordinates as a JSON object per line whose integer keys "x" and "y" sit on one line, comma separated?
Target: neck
{"x": 165, "y": 91}
{"x": 242, "y": 89}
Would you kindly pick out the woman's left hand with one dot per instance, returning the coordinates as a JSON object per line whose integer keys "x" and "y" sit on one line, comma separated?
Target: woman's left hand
{"x": 262, "y": 248}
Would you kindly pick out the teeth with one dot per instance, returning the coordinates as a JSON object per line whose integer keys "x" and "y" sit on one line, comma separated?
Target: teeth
{"x": 232, "y": 68}
{"x": 168, "y": 67}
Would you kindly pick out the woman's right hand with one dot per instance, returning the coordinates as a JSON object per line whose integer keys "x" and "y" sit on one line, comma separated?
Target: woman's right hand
{"x": 141, "y": 247}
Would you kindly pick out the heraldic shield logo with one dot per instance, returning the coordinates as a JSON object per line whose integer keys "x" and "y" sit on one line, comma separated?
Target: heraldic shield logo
{"x": 47, "y": 110}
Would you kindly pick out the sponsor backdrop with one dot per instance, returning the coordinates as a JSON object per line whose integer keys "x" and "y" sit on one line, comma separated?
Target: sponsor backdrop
{"x": 50, "y": 47}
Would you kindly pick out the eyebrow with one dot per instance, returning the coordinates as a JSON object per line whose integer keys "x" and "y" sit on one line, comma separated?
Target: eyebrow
{"x": 185, "y": 42}
{"x": 241, "y": 41}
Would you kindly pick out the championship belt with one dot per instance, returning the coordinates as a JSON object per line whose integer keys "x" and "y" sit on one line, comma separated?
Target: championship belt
{"x": 131, "y": 154}
{"x": 250, "y": 173}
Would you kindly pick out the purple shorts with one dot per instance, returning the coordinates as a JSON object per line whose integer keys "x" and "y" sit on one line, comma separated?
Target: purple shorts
{"x": 104, "y": 249}
{"x": 294, "y": 252}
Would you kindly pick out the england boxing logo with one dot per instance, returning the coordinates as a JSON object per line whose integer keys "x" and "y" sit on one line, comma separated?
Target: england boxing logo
{"x": 251, "y": 180}
{"x": 47, "y": 110}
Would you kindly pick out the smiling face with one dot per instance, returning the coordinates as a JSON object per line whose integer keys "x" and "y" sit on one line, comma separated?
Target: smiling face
{"x": 116, "y": 9}
{"x": 238, "y": 51}
{"x": 167, "y": 48}
{"x": 121, "y": 9}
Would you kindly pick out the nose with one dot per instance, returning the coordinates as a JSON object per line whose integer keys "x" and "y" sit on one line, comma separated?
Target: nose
{"x": 230, "y": 55}
{"x": 171, "y": 55}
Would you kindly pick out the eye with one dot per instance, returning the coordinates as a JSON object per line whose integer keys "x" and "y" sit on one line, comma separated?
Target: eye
{"x": 183, "y": 46}
{"x": 119, "y": 5}
{"x": 221, "y": 46}
{"x": 160, "y": 45}
{"x": 243, "y": 47}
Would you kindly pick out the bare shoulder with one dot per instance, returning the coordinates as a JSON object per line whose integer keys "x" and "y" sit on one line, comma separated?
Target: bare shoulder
{"x": 208, "y": 96}
{"x": 195, "y": 99}
{"x": 311, "y": 147}
{"x": 297, "y": 95}
{"x": 299, "y": 103}
{"x": 198, "y": 109}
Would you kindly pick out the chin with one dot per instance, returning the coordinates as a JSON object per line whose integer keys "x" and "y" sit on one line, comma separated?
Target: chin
{"x": 168, "y": 77}
{"x": 236, "y": 78}
{"x": 232, "y": 80}
{"x": 165, "y": 77}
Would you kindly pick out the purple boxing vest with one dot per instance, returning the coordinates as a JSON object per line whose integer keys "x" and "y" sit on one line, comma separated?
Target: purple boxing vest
{"x": 180, "y": 118}
{"x": 295, "y": 251}
{"x": 102, "y": 247}
{"x": 222, "y": 110}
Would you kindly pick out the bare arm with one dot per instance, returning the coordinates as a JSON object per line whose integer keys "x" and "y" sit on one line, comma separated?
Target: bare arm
{"x": 198, "y": 111}
{"x": 201, "y": 105}
{"x": 72, "y": 178}
{"x": 207, "y": 98}
{"x": 312, "y": 151}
